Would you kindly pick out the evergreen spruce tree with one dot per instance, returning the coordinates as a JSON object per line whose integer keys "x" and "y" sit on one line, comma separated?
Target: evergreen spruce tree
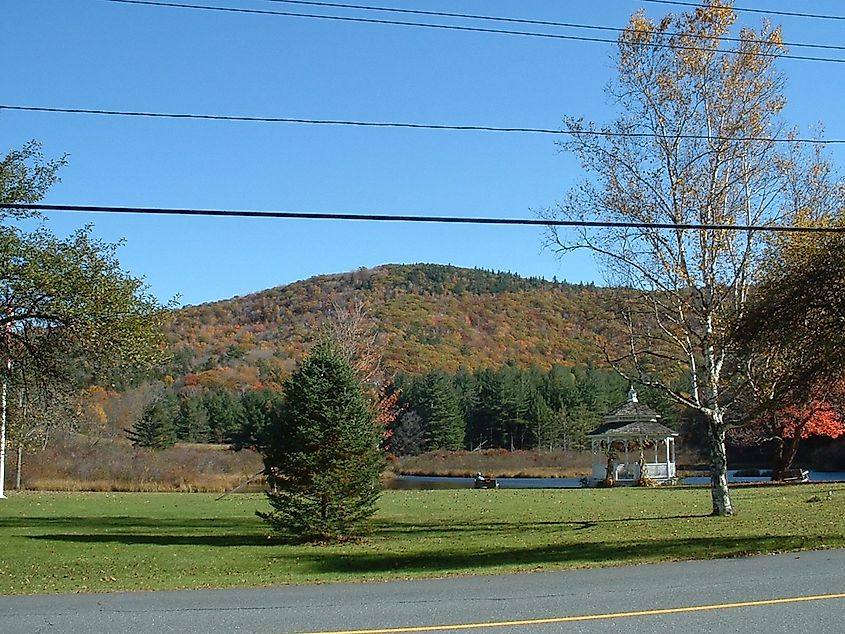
{"x": 225, "y": 414}
{"x": 258, "y": 408}
{"x": 487, "y": 419}
{"x": 322, "y": 456}
{"x": 438, "y": 406}
{"x": 192, "y": 420}
{"x": 544, "y": 426}
{"x": 155, "y": 428}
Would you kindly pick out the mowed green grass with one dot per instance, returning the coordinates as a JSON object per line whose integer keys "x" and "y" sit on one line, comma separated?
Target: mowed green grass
{"x": 94, "y": 542}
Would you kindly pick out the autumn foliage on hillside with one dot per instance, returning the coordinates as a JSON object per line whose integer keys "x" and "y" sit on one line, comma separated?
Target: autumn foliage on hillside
{"x": 419, "y": 318}
{"x": 428, "y": 316}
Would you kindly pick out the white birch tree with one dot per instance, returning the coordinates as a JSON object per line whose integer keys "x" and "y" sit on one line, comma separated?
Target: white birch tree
{"x": 692, "y": 145}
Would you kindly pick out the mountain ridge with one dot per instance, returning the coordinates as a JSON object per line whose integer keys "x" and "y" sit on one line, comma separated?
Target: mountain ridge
{"x": 427, "y": 315}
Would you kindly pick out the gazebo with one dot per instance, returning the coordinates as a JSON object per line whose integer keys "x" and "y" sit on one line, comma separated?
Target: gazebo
{"x": 632, "y": 447}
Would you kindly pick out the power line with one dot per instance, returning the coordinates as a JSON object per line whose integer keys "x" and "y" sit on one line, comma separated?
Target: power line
{"x": 256, "y": 119}
{"x": 308, "y": 215}
{"x": 791, "y": 14}
{"x": 414, "y": 126}
{"x": 454, "y": 27}
{"x": 493, "y": 18}
{"x": 444, "y": 14}
{"x": 450, "y": 27}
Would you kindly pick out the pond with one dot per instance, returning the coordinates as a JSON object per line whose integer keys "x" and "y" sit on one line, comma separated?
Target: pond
{"x": 441, "y": 482}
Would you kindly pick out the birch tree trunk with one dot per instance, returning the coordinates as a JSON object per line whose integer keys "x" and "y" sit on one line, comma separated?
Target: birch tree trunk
{"x": 719, "y": 471}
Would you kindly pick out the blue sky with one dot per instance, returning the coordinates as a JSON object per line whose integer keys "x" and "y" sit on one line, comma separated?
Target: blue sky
{"x": 103, "y": 55}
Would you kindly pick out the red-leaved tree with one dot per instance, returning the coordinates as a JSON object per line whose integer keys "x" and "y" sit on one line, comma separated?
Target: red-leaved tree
{"x": 787, "y": 427}
{"x": 794, "y": 424}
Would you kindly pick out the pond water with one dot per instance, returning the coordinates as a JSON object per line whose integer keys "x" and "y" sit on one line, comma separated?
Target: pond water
{"x": 440, "y": 482}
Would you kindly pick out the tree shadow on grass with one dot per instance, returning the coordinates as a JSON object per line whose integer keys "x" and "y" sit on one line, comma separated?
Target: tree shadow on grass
{"x": 127, "y": 521}
{"x": 413, "y": 528}
{"x": 569, "y": 555}
{"x": 236, "y": 532}
{"x": 129, "y": 539}
{"x": 143, "y": 530}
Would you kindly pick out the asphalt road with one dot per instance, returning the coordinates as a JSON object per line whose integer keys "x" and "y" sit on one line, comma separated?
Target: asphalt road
{"x": 796, "y": 593}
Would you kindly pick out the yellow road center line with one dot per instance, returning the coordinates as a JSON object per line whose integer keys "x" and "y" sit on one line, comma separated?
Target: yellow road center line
{"x": 587, "y": 617}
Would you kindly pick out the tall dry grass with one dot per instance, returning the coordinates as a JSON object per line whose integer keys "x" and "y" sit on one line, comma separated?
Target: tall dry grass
{"x": 498, "y": 463}
{"x": 74, "y": 462}
{"x": 502, "y": 463}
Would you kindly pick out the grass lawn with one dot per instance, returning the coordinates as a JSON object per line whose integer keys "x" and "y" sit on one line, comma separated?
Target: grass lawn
{"x": 93, "y": 542}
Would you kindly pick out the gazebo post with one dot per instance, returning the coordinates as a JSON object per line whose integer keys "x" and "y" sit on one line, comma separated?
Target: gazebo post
{"x": 641, "y": 462}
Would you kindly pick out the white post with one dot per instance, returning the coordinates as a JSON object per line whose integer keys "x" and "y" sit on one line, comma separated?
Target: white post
{"x": 7, "y": 374}
{"x": 3, "y": 436}
{"x": 18, "y": 468}
{"x": 668, "y": 456}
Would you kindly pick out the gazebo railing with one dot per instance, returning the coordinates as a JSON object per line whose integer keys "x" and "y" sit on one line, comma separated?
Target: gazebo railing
{"x": 630, "y": 471}
{"x": 660, "y": 470}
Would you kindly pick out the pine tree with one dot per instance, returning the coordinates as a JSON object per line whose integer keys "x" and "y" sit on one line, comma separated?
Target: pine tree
{"x": 155, "y": 428}
{"x": 487, "y": 418}
{"x": 437, "y": 404}
{"x": 258, "y": 408}
{"x": 322, "y": 456}
{"x": 192, "y": 420}
{"x": 225, "y": 414}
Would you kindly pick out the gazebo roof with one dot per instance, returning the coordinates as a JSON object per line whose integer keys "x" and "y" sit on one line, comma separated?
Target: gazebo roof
{"x": 632, "y": 419}
{"x": 639, "y": 429}
{"x": 632, "y": 411}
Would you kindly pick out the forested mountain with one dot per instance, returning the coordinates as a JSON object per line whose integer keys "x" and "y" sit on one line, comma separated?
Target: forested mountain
{"x": 479, "y": 359}
{"x": 428, "y": 316}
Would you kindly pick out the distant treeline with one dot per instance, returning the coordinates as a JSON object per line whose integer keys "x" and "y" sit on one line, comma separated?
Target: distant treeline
{"x": 437, "y": 279}
{"x": 213, "y": 415}
{"x": 510, "y": 407}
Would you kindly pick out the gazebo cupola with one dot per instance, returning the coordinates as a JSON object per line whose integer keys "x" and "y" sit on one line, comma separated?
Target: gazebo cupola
{"x": 632, "y": 446}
